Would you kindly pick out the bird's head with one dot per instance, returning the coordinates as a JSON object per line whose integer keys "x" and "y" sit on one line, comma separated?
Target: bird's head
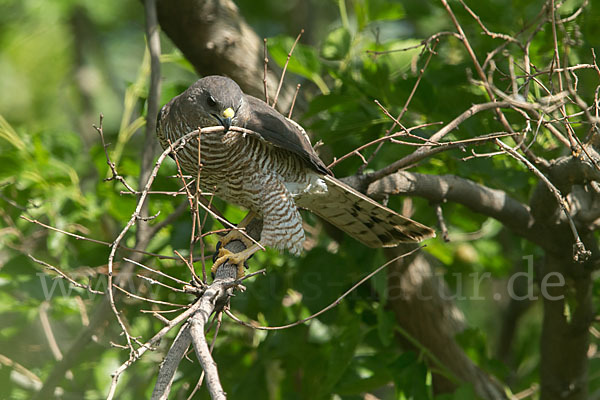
{"x": 213, "y": 100}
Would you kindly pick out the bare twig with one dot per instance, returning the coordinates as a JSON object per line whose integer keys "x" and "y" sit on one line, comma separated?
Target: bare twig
{"x": 485, "y": 81}
{"x": 404, "y": 108}
{"x": 65, "y": 276}
{"x": 266, "y": 61}
{"x": 285, "y": 68}
{"x": 580, "y": 254}
{"x": 329, "y": 307}
{"x": 424, "y": 43}
{"x": 378, "y": 140}
{"x": 493, "y": 35}
{"x": 294, "y": 101}
{"x": 442, "y": 222}
{"x": 155, "y": 271}
{"x": 80, "y": 237}
{"x": 148, "y": 345}
{"x": 418, "y": 154}
{"x": 135, "y": 296}
{"x": 111, "y": 165}
{"x": 134, "y": 354}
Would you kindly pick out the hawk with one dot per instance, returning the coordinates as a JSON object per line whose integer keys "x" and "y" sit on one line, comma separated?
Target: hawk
{"x": 272, "y": 173}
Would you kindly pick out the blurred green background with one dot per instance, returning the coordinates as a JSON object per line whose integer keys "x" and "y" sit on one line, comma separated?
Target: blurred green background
{"x": 62, "y": 63}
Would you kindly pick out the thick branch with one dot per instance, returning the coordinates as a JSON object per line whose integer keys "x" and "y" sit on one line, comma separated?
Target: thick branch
{"x": 197, "y": 326}
{"x": 216, "y": 39}
{"x": 425, "y": 309}
{"x": 439, "y": 188}
{"x": 565, "y": 335}
{"x": 166, "y": 372}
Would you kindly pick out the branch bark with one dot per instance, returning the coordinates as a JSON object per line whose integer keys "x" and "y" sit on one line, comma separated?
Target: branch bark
{"x": 568, "y": 313}
{"x": 216, "y": 39}
{"x": 168, "y": 367}
{"x": 425, "y": 308}
{"x": 197, "y": 326}
{"x": 568, "y": 309}
{"x": 439, "y": 188}
{"x": 213, "y": 300}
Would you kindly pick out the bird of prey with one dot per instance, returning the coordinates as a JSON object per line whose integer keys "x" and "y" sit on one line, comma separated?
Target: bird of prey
{"x": 272, "y": 173}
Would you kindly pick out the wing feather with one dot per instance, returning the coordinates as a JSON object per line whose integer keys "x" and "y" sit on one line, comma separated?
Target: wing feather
{"x": 282, "y": 132}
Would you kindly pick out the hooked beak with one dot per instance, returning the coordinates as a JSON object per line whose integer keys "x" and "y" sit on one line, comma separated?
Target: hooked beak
{"x": 226, "y": 117}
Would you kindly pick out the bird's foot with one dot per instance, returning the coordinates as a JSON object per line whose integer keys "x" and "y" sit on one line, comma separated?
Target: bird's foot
{"x": 224, "y": 256}
{"x": 234, "y": 235}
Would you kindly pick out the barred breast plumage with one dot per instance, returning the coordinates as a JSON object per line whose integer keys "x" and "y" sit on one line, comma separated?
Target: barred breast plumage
{"x": 272, "y": 172}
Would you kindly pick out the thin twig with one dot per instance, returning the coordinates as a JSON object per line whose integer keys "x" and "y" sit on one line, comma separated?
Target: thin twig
{"x": 135, "y": 296}
{"x": 440, "y": 216}
{"x": 329, "y": 307}
{"x": 285, "y": 68}
{"x": 111, "y": 165}
{"x": 148, "y": 345}
{"x": 155, "y": 271}
{"x": 404, "y": 108}
{"x": 65, "y": 276}
{"x": 580, "y": 254}
{"x": 266, "y": 61}
{"x": 424, "y": 43}
{"x": 294, "y": 101}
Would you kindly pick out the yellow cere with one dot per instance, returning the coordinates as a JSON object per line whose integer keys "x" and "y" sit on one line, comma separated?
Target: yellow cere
{"x": 228, "y": 113}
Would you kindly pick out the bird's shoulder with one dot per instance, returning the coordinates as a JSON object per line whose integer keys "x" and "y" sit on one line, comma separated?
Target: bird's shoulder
{"x": 281, "y": 132}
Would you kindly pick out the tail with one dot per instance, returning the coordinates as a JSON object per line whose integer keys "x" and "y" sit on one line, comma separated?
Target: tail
{"x": 361, "y": 217}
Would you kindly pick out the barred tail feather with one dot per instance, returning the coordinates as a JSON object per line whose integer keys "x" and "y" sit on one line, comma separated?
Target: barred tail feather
{"x": 362, "y": 217}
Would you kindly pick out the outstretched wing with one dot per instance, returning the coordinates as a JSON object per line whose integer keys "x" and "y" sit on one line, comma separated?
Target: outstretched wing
{"x": 281, "y": 132}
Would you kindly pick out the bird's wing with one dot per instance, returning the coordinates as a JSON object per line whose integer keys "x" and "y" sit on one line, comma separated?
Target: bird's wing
{"x": 362, "y": 217}
{"x": 281, "y": 132}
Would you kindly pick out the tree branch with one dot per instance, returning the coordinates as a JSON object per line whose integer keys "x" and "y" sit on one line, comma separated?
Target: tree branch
{"x": 216, "y": 293}
{"x": 425, "y": 151}
{"x": 216, "y": 39}
{"x": 438, "y": 188}
{"x": 167, "y": 369}
{"x": 429, "y": 318}
{"x": 568, "y": 313}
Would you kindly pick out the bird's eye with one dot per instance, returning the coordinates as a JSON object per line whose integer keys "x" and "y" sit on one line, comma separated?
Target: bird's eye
{"x": 211, "y": 101}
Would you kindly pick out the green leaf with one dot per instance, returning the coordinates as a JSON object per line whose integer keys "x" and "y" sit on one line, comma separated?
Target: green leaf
{"x": 410, "y": 377}
{"x": 380, "y": 10}
{"x": 377, "y": 10}
{"x": 342, "y": 353}
{"x": 337, "y": 44}
{"x": 304, "y": 60}
{"x": 385, "y": 326}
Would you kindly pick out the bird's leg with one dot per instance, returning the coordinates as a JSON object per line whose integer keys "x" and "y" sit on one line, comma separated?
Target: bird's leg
{"x": 235, "y": 234}
{"x": 224, "y": 255}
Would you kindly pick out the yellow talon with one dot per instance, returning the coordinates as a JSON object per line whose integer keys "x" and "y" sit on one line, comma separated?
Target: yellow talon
{"x": 226, "y": 256}
{"x": 240, "y": 258}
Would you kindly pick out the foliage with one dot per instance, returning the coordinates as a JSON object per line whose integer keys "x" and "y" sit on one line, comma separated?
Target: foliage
{"x": 64, "y": 62}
